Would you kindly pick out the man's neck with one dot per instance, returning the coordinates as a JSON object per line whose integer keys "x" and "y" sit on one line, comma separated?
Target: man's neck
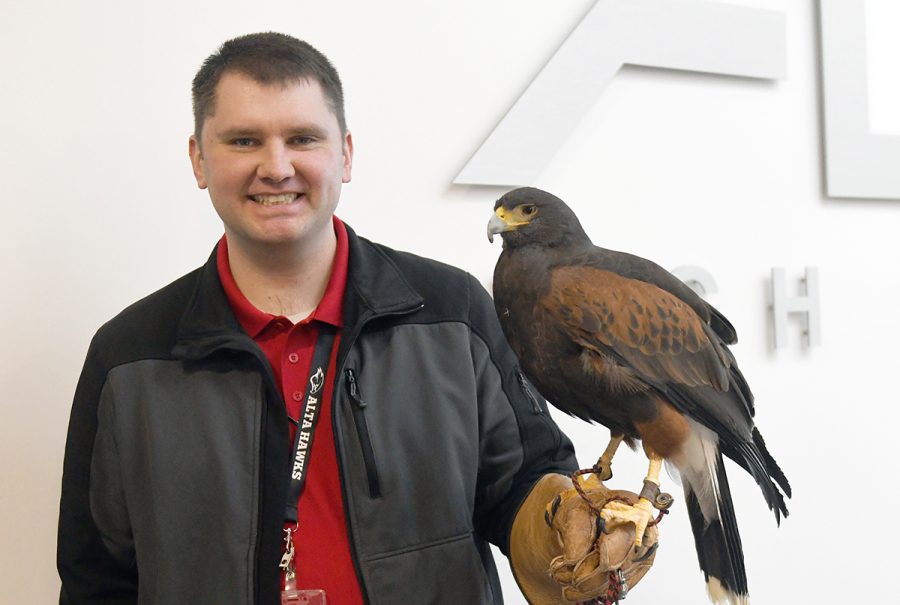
{"x": 283, "y": 281}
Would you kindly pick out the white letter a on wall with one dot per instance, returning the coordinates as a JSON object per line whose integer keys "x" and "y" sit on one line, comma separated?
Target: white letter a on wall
{"x": 691, "y": 35}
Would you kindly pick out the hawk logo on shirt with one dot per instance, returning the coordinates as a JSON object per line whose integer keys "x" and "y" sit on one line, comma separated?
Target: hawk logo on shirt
{"x": 316, "y": 381}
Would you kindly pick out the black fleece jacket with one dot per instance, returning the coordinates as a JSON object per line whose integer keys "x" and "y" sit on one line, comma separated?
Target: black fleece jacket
{"x": 178, "y": 433}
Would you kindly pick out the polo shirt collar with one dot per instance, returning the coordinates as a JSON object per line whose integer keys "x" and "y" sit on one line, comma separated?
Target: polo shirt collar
{"x": 329, "y": 309}
{"x": 375, "y": 286}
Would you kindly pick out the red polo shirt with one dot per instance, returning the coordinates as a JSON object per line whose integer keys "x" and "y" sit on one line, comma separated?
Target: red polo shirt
{"x": 322, "y": 545}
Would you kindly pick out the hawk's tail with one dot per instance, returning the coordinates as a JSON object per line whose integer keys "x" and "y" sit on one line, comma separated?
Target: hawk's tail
{"x": 713, "y": 522}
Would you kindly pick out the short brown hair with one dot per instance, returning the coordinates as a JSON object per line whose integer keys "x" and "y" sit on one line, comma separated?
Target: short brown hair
{"x": 268, "y": 58}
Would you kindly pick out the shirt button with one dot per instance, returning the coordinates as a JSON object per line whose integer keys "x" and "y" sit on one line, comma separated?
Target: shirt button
{"x": 293, "y": 358}
{"x": 297, "y": 395}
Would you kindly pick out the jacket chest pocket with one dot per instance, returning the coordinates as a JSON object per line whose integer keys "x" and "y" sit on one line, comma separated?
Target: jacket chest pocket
{"x": 409, "y": 462}
{"x": 358, "y": 409}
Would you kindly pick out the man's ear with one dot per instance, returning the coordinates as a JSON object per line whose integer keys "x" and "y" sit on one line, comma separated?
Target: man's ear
{"x": 197, "y": 161}
{"x": 348, "y": 157}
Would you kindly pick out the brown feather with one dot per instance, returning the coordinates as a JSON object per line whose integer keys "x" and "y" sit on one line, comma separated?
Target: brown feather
{"x": 665, "y": 433}
{"x": 655, "y": 332}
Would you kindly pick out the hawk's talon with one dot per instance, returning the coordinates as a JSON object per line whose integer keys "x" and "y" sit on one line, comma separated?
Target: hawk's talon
{"x": 550, "y": 511}
{"x": 646, "y": 555}
{"x": 601, "y": 527}
{"x": 640, "y": 514}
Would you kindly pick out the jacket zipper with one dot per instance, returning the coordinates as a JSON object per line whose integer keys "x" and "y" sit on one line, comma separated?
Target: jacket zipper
{"x": 528, "y": 393}
{"x": 362, "y": 431}
{"x": 538, "y": 410}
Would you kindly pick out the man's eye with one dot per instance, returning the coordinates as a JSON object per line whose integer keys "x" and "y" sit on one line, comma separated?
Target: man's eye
{"x": 242, "y": 142}
{"x": 302, "y": 140}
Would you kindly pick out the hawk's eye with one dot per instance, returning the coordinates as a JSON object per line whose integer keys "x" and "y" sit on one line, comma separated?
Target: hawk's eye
{"x": 528, "y": 210}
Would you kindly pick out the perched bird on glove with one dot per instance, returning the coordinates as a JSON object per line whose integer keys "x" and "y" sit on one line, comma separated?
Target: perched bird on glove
{"x": 616, "y": 339}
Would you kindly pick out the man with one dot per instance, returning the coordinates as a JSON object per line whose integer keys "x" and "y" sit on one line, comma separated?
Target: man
{"x": 309, "y": 410}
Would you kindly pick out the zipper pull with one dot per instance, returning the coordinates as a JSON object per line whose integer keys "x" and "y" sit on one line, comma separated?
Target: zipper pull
{"x": 535, "y": 406}
{"x": 354, "y": 389}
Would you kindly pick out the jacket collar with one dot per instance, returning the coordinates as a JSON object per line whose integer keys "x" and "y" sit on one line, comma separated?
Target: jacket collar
{"x": 375, "y": 286}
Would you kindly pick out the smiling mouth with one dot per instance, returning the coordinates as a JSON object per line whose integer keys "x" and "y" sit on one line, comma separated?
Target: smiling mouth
{"x": 275, "y": 200}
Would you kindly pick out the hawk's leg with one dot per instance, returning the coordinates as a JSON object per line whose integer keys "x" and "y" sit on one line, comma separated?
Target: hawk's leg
{"x": 589, "y": 478}
{"x": 619, "y": 513}
{"x": 604, "y": 464}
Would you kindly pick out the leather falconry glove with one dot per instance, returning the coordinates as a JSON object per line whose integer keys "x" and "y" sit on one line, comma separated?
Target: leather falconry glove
{"x": 555, "y": 553}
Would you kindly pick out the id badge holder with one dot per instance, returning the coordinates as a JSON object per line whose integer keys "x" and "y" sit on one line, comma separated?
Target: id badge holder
{"x": 291, "y": 595}
{"x": 303, "y": 597}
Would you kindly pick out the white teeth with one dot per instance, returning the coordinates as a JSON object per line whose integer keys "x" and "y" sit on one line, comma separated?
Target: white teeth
{"x": 275, "y": 200}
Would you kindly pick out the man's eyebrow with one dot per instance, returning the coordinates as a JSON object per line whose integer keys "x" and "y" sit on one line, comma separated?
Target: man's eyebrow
{"x": 304, "y": 129}
{"x": 310, "y": 129}
{"x": 237, "y": 133}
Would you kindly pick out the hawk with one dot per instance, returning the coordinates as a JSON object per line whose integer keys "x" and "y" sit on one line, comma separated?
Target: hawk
{"x": 614, "y": 338}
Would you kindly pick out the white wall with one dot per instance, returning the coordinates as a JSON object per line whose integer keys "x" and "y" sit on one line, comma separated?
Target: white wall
{"x": 100, "y": 208}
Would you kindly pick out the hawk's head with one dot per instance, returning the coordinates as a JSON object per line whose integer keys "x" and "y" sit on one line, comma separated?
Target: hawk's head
{"x": 532, "y": 216}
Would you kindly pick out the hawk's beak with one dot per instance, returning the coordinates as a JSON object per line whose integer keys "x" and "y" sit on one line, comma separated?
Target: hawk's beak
{"x": 496, "y": 225}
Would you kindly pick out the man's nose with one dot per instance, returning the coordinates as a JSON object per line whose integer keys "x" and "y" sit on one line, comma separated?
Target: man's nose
{"x": 275, "y": 164}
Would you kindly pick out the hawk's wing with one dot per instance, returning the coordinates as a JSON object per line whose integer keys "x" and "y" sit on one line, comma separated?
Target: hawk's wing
{"x": 649, "y": 331}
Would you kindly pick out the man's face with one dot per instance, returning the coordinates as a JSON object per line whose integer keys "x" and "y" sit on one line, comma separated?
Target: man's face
{"x": 273, "y": 158}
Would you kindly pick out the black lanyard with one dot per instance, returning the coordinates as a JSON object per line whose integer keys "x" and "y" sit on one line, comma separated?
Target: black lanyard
{"x": 309, "y": 416}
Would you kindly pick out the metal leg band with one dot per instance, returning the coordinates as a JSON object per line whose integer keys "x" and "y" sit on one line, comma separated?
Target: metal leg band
{"x": 660, "y": 500}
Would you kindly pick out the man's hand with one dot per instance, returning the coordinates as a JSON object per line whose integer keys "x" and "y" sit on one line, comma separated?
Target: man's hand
{"x": 561, "y": 552}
